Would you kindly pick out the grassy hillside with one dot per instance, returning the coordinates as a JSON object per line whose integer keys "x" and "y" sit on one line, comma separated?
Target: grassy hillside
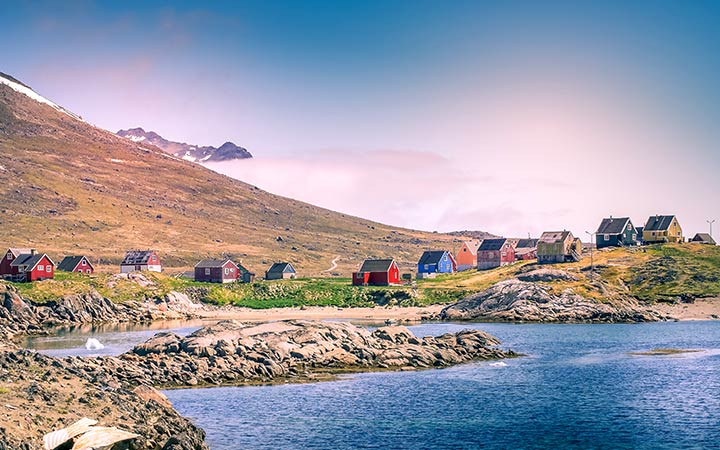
{"x": 70, "y": 188}
{"x": 654, "y": 273}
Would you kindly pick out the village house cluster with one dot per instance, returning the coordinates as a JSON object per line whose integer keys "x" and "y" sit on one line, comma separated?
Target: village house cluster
{"x": 552, "y": 247}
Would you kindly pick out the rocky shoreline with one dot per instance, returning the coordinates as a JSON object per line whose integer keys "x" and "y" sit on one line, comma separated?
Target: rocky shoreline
{"x": 522, "y": 301}
{"x": 232, "y": 352}
{"x": 40, "y": 393}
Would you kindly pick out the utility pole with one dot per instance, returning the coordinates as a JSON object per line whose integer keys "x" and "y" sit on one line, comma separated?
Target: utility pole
{"x": 592, "y": 267}
{"x": 710, "y": 222}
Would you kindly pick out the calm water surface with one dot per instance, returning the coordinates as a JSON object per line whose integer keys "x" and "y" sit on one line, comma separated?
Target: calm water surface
{"x": 577, "y": 388}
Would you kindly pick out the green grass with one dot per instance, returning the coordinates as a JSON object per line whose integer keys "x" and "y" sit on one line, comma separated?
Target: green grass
{"x": 689, "y": 270}
{"x": 259, "y": 295}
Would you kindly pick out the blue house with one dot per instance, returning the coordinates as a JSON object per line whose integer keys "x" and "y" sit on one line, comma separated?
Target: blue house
{"x": 434, "y": 262}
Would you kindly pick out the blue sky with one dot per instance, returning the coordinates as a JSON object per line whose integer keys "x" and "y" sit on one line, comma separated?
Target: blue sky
{"x": 511, "y": 117}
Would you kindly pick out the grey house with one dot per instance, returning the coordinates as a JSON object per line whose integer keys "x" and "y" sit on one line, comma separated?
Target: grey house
{"x": 616, "y": 232}
{"x": 281, "y": 271}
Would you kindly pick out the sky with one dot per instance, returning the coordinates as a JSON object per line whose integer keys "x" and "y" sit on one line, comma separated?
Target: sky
{"x": 512, "y": 117}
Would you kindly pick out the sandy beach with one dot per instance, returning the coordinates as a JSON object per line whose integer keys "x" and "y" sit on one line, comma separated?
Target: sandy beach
{"x": 701, "y": 309}
{"x": 377, "y": 314}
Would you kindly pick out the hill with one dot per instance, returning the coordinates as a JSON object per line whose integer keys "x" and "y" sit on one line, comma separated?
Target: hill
{"x": 68, "y": 187}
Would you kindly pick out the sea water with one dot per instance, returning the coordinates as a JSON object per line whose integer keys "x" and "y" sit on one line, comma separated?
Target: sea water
{"x": 578, "y": 386}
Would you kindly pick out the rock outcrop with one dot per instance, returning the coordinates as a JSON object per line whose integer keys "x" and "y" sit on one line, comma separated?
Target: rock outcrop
{"x": 20, "y": 316}
{"x": 233, "y": 352}
{"x": 523, "y": 301}
{"x": 41, "y": 394}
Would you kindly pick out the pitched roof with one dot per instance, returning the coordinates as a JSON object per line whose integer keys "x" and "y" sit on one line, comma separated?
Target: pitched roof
{"x": 281, "y": 267}
{"x": 432, "y": 256}
{"x": 213, "y": 263}
{"x": 613, "y": 225}
{"x": 16, "y": 251}
{"x": 243, "y": 269}
{"x": 526, "y": 243}
{"x": 703, "y": 237}
{"x": 30, "y": 260}
{"x": 491, "y": 244}
{"x": 472, "y": 246}
{"x": 658, "y": 223}
{"x": 552, "y": 237}
{"x": 133, "y": 257}
{"x": 69, "y": 263}
{"x": 376, "y": 265}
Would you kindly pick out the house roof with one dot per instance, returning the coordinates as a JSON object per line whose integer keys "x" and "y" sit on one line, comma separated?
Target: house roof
{"x": 658, "y": 223}
{"x": 30, "y": 260}
{"x": 243, "y": 269}
{"x": 376, "y": 265}
{"x": 213, "y": 263}
{"x": 613, "y": 225}
{"x": 703, "y": 237}
{"x": 282, "y": 267}
{"x": 491, "y": 244}
{"x": 69, "y": 263}
{"x": 553, "y": 237}
{"x": 133, "y": 257}
{"x": 472, "y": 246}
{"x": 524, "y": 250}
{"x": 526, "y": 243}
{"x": 16, "y": 251}
{"x": 432, "y": 256}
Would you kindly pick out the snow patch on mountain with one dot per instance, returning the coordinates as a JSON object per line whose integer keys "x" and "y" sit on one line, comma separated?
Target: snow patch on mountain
{"x": 17, "y": 87}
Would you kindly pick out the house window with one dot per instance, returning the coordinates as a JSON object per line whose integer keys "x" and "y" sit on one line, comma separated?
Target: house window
{"x": 227, "y": 271}
{"x": 41, "y": 268}
{"x": 9, "y": 256}
{"x": 87, "y": 271}
{"x": 606, "y": 237}
{"x": 207, "y": 271}
{"x": 84, "y": 263}
{"x": 653, "y": 233}
{"x": 48, "y": 268}
{"x": 427, "y": 266}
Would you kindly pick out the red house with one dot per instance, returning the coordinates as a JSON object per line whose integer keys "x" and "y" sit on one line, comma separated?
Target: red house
{"x": 495, "y": 253}
{"x": 216, "y": 271}
{"x": 6, "y": 269}
{"x": 377, "y": 272}
{"x": 79, "y": 264}
{"x": 33, "y": 267}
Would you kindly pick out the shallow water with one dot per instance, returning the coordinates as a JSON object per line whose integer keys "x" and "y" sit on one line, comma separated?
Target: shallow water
{"x": 116, "y": 338}
{"x": 577, "y": 388}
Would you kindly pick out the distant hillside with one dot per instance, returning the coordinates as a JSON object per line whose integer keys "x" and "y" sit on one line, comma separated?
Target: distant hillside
{"x": 473, "y": 234}
{"x": 68, "y": 187}
{"x": 190, "y": 152}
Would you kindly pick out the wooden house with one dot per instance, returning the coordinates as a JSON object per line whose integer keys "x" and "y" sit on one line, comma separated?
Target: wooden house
{"x": 245, "y": 275}
{"x": 281, "y": 271}
{"x": 33, "y": 267}
{"x": 216, "y": 271}
{"x": 377, "y": 272}
{"x": 616, "y": 232}
{"x": 433, "y": 262}
{"x": 558, "y": 247}
{"x": 6, "y": 268}
{"x": 79, "y": 264}
{"x": 466, "y": 257}
{"x": 660, "y": 229}
{"x": 640, "y": 235}
{"x": 141, "y": 260}
{"x": 494, "y": 253}
{"x": 703, "y": 238}
{"x": 526, "y": 249}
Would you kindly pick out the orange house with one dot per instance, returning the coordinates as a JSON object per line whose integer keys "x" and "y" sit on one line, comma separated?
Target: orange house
{"x": 466, "y": 257}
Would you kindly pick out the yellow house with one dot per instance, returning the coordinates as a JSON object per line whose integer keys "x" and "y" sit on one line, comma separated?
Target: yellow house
{"x": 662, "y": 229}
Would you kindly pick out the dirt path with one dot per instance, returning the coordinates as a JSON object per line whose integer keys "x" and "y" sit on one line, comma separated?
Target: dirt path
{"x": 333, "y": 264}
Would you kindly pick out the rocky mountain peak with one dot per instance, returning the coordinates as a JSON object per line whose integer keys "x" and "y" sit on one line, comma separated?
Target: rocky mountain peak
{"x": 190, "y": 152}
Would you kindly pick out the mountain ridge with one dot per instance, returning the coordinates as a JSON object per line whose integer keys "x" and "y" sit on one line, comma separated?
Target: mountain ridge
{"x": 193, "y": 153}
